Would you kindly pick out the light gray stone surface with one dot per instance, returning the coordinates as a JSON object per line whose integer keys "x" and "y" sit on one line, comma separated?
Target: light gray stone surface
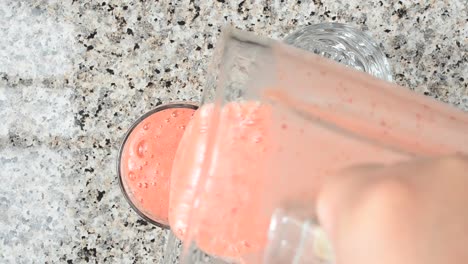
{"x": 75, "y": 74}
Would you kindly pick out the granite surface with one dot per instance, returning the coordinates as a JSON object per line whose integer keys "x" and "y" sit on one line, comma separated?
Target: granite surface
{"x": 74, "y": 75}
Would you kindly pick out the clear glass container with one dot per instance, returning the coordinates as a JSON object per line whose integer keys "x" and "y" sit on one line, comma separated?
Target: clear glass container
{"x": 123, "y": 183}
{"x": 344, "y": 44}
{"x": 274, "y": 122}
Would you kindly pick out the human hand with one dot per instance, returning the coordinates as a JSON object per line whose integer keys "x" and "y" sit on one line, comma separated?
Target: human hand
{"x": 414, "y": 212}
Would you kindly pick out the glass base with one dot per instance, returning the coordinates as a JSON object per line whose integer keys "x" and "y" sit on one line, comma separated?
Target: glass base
{"x": 297, "y": 238}
{"x": 344, "y": 44}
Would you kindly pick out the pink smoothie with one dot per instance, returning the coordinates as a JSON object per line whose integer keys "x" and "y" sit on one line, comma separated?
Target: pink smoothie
{"x": 276, "y": 155}
{"x": 237, "y": 164}
{"x": 235, "y": 204}
{"x": 229, "y": 225}
{"x": 147, "y": 157}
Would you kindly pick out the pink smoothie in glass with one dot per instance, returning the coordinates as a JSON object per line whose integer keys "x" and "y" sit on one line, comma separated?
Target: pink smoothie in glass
{"x": 147, "y": 157}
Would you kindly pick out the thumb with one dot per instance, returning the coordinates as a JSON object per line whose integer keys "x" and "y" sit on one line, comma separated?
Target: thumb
{"x": 342, "y": 213}
{"x": 338, "y": 194}
{"x": 368, "y": 214}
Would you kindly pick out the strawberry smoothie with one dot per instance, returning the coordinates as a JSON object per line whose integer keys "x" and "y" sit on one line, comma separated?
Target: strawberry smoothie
{"x": 229, "y": 223}
{"x": 239, "y": 162}
{"x": 146, "y": 160}
{"x": 235, "y": 203}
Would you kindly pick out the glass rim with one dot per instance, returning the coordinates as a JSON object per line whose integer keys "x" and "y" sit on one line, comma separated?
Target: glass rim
{"x": 170, "y": 105}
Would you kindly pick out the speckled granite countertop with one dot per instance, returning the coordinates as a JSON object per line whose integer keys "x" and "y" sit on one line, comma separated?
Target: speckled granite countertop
{"x": 74, "y": 75}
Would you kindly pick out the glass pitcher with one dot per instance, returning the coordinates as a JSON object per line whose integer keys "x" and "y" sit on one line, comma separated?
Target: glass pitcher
{"x": 274, "y": 122}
